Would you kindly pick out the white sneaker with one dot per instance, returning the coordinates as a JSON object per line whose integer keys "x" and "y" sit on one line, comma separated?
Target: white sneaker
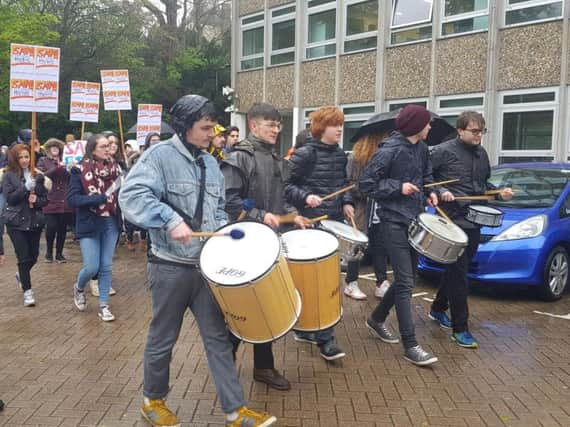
{"x": 94, "y": 286}
{"x": 353, "y": 291}
{"x": 381, "y": 290}
{"x": 29, "y": 300}
{"x": 79, "y": 298}
{"x": 105, "y": 314}
{"x": 112, "y": 291}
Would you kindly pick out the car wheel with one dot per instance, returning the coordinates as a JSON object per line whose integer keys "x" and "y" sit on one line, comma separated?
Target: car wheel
{"x": 555, "y": 276}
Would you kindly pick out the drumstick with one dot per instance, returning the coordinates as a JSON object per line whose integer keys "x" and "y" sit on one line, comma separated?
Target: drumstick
{"x": 317, "y": 219}
{"x": 494, "y": 192}
{"x": 353, "y": 224}
{"x": 235, "y": 234}
{"x": 336, "y": 193}
{"x": 442, "y": 213}
{"x": 434, "y": 184}
{"x": 474, "y": 197}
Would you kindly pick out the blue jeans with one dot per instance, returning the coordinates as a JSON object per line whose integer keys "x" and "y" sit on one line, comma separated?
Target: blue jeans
{"x": 97, "y": 253}
{"x": 404, "y": 261}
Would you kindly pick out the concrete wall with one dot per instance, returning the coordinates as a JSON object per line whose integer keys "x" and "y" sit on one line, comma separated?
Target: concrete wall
{"x": 357, "y": 78}
{"x": 408, "y": 71}
{"x": 318, "y": 82}
{"x": 249, "y": 88}
{"x": 281, "y": 86}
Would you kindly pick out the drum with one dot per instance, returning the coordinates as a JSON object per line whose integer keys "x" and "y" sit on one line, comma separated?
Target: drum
{"x": 250, "y": 280}
{"x": 352, "y": 242}
{"x": 312, "y": 255}
{"x": 437, "y": 238}
{"x": 484, "y": 215}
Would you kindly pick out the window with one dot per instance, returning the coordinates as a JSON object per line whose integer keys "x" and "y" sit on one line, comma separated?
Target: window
{"x": 354, "y": 117}
{"x": 528, "y": 124}
{"x": 282, "y": 35}
{"x": 252, "y": 41}
{"x": 394, "y": 105}
{"x": 411, "y": 21}
{"x": 523, "y": 11}
{"x": 361, "y": 25}
{"x": 464, "y": 16}
{"x": 321, "y": 29}
{"x": 450, "y": 107}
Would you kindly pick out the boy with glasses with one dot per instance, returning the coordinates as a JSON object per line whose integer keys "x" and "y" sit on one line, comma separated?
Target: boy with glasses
{"x": 465, "y": 159}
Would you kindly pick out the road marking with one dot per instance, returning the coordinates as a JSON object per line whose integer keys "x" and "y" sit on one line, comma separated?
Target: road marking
{"x": 558, "y": 316}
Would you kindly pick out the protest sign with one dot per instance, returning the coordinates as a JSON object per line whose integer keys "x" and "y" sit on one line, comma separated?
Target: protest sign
{"x": 149, "y": 118}
{"x": 84, "y": 105}
{"x": 116, "y": 90}
{"x": 73, "y": 152}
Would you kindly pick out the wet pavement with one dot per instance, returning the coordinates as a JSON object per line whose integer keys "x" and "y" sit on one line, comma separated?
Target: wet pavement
{"x": 60, "y": 367}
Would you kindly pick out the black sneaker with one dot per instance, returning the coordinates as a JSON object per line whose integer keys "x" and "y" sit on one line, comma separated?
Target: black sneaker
{"x": 418, "y": 356}
{"x": 49, "y": 259}
{"x": 60, "y": 259}
{"x": 380, "y": 331}
{"x": 330, "y": 351}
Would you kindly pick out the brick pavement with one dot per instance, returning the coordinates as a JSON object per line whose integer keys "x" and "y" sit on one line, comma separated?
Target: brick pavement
{"x": 59, "y": 367}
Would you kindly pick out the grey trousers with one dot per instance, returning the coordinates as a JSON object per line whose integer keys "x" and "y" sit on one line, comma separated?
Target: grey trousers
{"x": 175, "y": 289}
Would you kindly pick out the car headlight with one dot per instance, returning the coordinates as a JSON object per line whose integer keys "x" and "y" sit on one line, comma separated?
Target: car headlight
{"x": 530, "y": 227}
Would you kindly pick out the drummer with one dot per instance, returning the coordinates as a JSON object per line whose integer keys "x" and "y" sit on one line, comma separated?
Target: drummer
{"x": 395, "y": 177}
{"x": 317, "y": 169}
{"x": 255, "y": 170}
{"x": 465, "y": 159}
{"x": 165, "y": 193}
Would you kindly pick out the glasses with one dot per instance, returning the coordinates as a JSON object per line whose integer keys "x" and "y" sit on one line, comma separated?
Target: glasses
{"x": 272, "y": 125}
{"x": 477, "y": 132}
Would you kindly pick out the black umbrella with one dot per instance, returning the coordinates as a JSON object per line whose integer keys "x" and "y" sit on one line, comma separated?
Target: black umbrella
{"x": 164, "y": 128}
{"x": 379, "y": 123}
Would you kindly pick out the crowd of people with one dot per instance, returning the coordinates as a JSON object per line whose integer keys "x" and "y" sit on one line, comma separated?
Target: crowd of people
{"x": 202, "y": 178}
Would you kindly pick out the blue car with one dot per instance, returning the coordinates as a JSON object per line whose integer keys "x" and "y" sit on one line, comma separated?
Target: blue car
{"x": 532, "y": 245}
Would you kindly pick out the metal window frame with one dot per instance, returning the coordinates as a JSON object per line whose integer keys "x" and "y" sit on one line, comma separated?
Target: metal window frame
{"x": 407, "y": 101}
{"x": 409, "y": 24}
{"x": 525, "y": 107}
{"x": 359, "y": 36}
{"x": 528, "y": 4}
{"x": 461, "y": 17}
{"x": 246, "y": 27}
{"x": 359, "y": 117}
{"x": 276, "y": 20}
{"x": 313, "y": 11}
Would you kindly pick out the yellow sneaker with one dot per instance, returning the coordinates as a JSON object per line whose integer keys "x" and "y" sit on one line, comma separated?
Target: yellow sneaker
{"x": 158, "y": 415}
{"x": 248, "y": 418}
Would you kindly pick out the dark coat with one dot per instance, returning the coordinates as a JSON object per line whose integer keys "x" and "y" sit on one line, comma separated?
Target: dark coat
{"x": 60, "y": 177}
{"x": 397, "y": 162}
{"x": 18, "y": 215}
{"x": 254, "y": 170}
{"x": 470, "y": 164}
{"x": 320, "y": 169}
{"x": 87, "y": 222}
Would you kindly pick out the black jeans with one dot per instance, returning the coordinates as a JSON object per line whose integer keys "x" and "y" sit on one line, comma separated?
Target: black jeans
{"x": 56, "y": 229}
{"x": 404, "y": 261}
{"x": 377, "y": 250}
{"x": 454, "y": 285}
{"x": 262, "y": 353}
{"x": 27, "y": 247}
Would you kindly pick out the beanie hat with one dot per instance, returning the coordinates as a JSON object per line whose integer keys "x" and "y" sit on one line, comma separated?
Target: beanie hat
{"x": 412, "y": 119}
{"x": 24, "y": 136}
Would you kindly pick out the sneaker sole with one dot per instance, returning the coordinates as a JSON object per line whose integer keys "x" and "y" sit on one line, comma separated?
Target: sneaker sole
{"x": 152, "y": 423}
{"x": 475, "y": 345}
{"x": 362, "y": 298}
{"x": 105, "y": 320}
{"x": 441, "y": 325}
{"x": 422, "y": 363}
{"x": 335, "y": 357}
{"x": 308, "y": 341}
{"x": 373, "y": 332}
{"x": 31, "y": 304}
{"x": 268, "y": 422}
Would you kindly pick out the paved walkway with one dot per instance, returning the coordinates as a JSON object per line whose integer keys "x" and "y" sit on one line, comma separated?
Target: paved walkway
{"x": 59, "y": 367}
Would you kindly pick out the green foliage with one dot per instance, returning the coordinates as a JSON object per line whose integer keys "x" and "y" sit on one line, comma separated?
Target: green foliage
{"x": 109, "y": 34}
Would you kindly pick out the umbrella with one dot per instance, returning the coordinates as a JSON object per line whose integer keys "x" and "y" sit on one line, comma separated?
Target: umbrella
{"x": 164, "y": 128}
{"x": 379, "y": 123}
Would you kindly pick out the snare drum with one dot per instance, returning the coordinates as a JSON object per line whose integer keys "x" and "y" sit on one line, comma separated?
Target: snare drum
{"x": 250, "y": 280}
{"x": 353, "y": 243}
{"x": 312, "y": 256}
{"x": 484, "y": 215}
{"x": 437, "y": 238}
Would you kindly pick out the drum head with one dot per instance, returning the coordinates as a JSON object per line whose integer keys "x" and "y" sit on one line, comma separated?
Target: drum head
{"x": 310, "y": 244}
{"x": 486, "y": 209}
{"x": 344, "y": 230}
{"x": 233, "y": 262}
{"x": 442, "y": 228}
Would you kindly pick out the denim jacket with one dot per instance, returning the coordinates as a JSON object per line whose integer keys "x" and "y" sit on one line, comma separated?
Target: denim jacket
{"x": 168, "y": 172}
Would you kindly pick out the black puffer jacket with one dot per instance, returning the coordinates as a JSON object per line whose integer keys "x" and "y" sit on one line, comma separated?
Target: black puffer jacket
{"x": 470, "y": 164}
{"x": 398, "y": 161}
{"x": 18, "y": 215}
{"x": 320, "y": 169}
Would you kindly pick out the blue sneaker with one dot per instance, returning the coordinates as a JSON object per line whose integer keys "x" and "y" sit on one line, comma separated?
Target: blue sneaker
{"x": 440, "y": 317}
{"x": 465, "y": 339}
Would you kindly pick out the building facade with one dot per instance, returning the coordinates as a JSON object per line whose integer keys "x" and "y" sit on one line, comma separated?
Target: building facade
{"x": 508, "y": 59}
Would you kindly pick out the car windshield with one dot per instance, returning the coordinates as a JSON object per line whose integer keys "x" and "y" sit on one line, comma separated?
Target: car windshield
{"x": 533, "y": 188}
